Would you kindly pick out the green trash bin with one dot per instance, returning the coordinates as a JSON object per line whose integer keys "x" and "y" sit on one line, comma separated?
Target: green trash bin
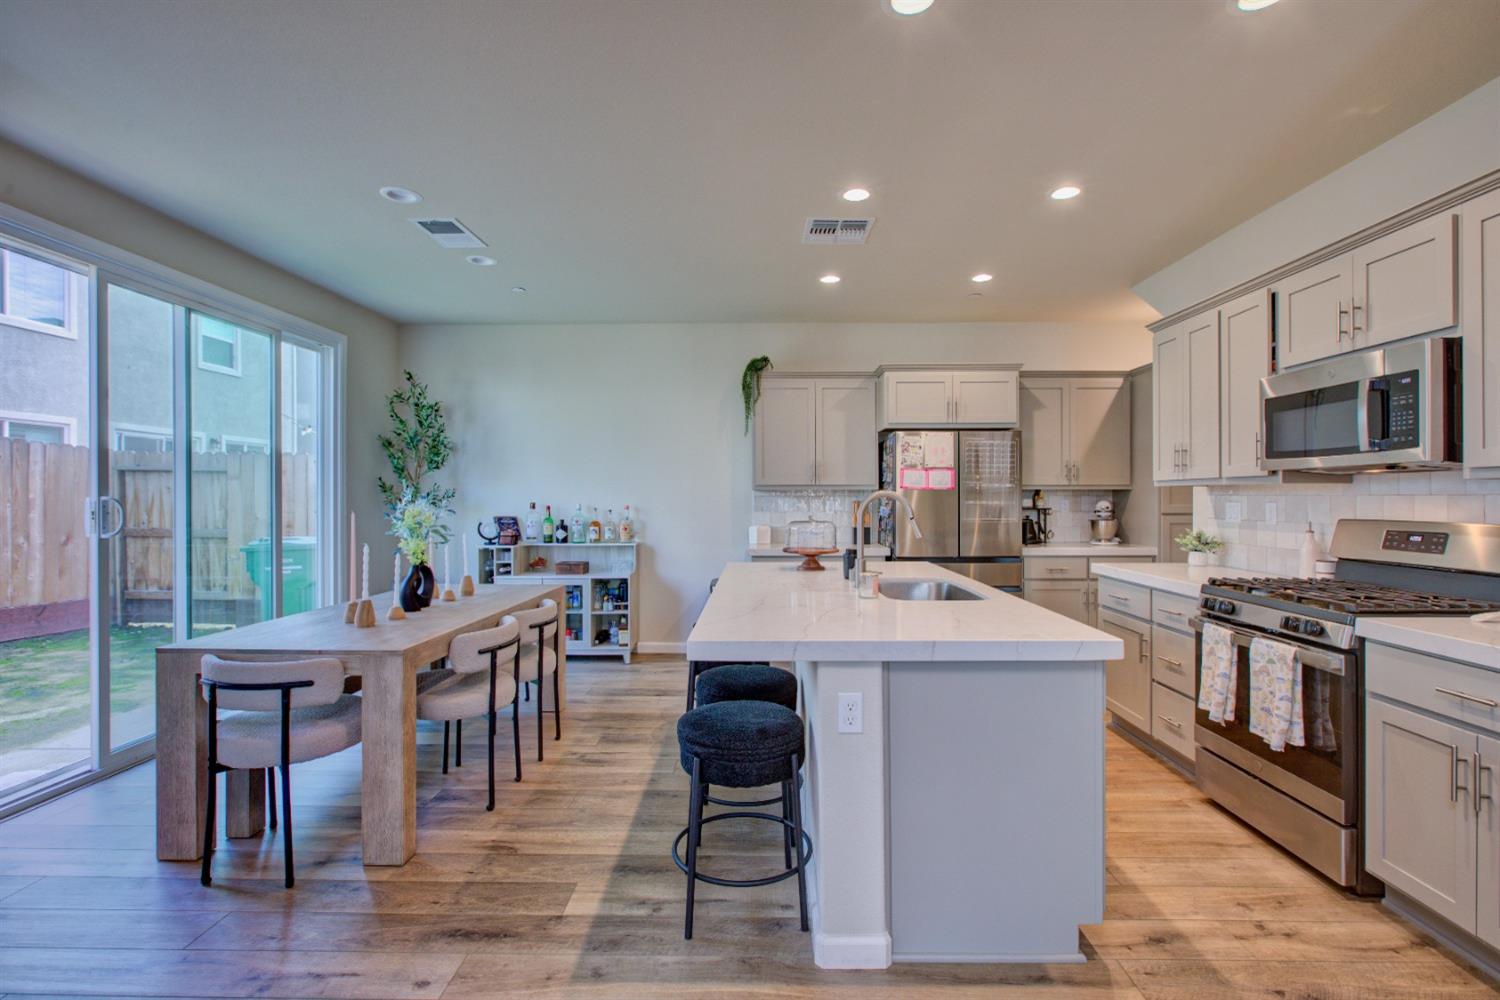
{"x": 299, "y": 582}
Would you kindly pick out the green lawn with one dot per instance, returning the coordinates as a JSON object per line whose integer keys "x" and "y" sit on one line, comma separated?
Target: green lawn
{"x": 44, "y": 683}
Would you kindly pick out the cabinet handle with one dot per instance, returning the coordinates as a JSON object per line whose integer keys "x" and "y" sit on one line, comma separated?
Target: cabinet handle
{"x": 1480, "y": 795}
{"x": 1486, "y": 702}
{"x": 1342, "y": 313}
{"x": 1257, "y": 449}
{"x": 1057, "y": 569}
{"x": 1354, "y": 326}
{"x": 1174, "y": 614}
{"x": 1171, "y": 722}
{"x": 1120, "y": 599}
{"x": 1453, "y": 761}
{"x": 1175, "y": 664}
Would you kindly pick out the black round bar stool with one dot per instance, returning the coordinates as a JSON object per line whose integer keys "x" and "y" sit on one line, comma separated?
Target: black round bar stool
{"x": 750, "y": 682}
{"x": 696, "y": 669}
{"x": 742, "y": 744}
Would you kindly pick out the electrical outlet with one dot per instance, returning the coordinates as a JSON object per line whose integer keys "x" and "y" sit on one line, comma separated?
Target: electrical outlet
{"x": 851, "y": 712}
{"x": 1270, "y": 511}
{"x": 1233, "y": 511}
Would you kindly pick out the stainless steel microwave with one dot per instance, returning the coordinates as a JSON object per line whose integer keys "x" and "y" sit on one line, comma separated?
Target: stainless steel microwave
{"x": 1397, "y": 407}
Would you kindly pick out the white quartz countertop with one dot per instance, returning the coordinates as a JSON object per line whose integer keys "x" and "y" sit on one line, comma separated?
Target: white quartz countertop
{"x": 1175, "y": 578}
{"x": 1122, "y": 550}
{"x": 1454, "y": 637}
{"x": 772, "y": 611}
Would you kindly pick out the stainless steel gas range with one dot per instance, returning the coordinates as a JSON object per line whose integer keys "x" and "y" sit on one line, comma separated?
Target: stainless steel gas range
{"x": 1308, "y": 798}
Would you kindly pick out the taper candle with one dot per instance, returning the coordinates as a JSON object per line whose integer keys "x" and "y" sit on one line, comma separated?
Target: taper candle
{"x": 464, "y": 544}
{"x": 364, "y": 575}
{"x": 447, "y": 566}
{"x": 396, "y": 581}
{"x": 351, "y": 556}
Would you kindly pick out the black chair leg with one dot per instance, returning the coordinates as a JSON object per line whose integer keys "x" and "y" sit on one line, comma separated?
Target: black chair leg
{"x": 692, "y": 683}
{"x": 515, "y": 729}
{"x": 557, "y": 704}
{"x": 446, "y": 727}
{"x": 286, "y": 819}
{"x": 458, "y": 743}
{"x": 695, "y": 832}
{"x": 491, "y": 806}
{"x": 528, "y": 691}
{"x": 210, "y": 815}
{"x": 786, "y": 814}
{"x": 797, "y": 835}
{"x": 702, "y": 807}
{"x": 540, "y": 716}
{"x": 271, "y": 794}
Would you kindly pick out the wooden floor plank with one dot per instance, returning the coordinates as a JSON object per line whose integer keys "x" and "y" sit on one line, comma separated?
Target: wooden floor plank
{"x": 567, "y": 891}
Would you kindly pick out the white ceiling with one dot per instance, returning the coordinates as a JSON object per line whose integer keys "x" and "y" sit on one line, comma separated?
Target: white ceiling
{"x": 653, "y": 160}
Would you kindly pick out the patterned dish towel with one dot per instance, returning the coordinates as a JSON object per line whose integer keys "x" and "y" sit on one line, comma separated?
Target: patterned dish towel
{"x": 1276, "y": 694}
{"x": 1216, "y": 673}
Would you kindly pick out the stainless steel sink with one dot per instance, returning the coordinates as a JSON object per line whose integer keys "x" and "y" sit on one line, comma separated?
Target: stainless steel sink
{"x": 926, "y": 590}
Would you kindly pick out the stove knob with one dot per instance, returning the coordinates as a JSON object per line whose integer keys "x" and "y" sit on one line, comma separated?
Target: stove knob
{"x": 1290, "y": 624}
{"x": 1312, "y": 628}
{"x": 1208, "y": 604}
{"x": 1225, "y": 607}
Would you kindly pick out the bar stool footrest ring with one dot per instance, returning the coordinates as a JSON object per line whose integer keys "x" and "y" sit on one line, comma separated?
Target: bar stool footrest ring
{"x": 781, "y": 876}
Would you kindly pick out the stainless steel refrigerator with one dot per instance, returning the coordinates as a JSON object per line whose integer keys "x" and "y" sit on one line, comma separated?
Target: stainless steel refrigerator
{"x": 965, "y": 487}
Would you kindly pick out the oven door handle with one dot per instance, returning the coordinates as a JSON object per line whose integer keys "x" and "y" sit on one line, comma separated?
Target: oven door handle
{"x": 1316, "y": 659}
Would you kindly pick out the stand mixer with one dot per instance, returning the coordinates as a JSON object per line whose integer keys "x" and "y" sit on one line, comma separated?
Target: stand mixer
{"x": 1103, "y": 526}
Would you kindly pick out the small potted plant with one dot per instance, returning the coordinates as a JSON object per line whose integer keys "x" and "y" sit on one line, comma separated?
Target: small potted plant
{"x": 416, "y": 524}
{"x": 1202, "y": 548}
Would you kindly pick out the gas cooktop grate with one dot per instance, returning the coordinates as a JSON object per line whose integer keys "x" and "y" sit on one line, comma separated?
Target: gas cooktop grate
{"x": 1350, "y": 597}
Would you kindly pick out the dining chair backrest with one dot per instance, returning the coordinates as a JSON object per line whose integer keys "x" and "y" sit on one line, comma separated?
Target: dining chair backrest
{"x": 325, "y": 672}
{"x": 464, "y": 652}
{"x": 546, "y": 612}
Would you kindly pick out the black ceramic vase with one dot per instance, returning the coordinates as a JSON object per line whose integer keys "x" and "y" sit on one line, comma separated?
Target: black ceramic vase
{"x": 417, "y": 588}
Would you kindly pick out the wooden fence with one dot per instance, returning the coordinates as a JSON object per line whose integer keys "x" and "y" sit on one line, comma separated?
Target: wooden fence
{"x": 44, "y": 554}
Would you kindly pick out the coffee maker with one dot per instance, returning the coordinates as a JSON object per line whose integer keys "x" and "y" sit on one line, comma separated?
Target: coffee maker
{"x": 1034, "y": 516}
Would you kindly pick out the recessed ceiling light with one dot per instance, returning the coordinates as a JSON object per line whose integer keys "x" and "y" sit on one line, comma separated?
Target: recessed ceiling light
{"x": 480, "y": 260}
{"x": 856, "y": 194}
{"x": 518, "y": 290}
{"x": 910, "y": 7}
{"x": 1252, "y": 5}
{"x": 829, "y": 279}
{"x": 400, "y": 195}
{"x": 976, "y": 295}
{"x": 982, "y": 277}
{"x": 1066, "y": 192}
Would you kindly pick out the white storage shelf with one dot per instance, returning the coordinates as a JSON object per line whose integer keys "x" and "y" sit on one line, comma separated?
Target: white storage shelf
{"x": 612, "y": 574}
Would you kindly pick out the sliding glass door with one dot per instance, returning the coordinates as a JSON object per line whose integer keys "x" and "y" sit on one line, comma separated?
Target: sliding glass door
{"x": 166, "y": 471}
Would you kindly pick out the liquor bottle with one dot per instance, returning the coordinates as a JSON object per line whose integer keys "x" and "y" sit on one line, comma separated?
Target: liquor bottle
{"x": 614, "y": 633}
{"x": 560, "y": 531}
{"x": 549, "y": 526}
{"x": 610, "y": 528}
{"x": 577, "y": 530}
{"x": 533, "y": 526}
{"x": 596, "y": 530}
{"x": 627, "y": 526}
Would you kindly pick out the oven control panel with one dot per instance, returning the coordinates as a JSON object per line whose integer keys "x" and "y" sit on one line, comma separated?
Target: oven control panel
{"x": 1432, "y": 543}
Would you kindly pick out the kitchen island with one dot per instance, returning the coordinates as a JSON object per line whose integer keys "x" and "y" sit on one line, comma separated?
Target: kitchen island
{"x": 964, "y": 819}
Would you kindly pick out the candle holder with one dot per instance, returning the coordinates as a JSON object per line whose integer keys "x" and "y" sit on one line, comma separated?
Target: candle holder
{"x": 466, "y": 587}
{"x": 364, "y": 615}
{"x": 449, "y": 595}
{"x": 350, "y": 611}
{"x": 394, "y": 613}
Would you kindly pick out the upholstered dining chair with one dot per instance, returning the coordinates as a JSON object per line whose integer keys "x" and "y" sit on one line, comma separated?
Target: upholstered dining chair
{"x": 484, "y": 670}
{"x": 280, "y": 713}
{"x": 539, "y": 657}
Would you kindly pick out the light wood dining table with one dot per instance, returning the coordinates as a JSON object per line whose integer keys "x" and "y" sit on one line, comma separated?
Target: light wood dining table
{"x": 386, "y": 658}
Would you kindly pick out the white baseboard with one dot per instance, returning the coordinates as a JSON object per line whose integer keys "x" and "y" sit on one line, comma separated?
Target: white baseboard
{"x": 645, "y": 648}
{"x": 851, "y": 951}
{"x": 996, "y": 958}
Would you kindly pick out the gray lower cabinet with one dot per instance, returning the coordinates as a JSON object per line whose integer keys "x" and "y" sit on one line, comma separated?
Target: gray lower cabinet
{"x": 1432, "y": 754}
{"x": 1127, "y": 681}
{"x": 1066, "y": 597}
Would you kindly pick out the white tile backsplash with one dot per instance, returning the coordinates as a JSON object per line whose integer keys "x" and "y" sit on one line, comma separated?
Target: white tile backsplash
{"x": 1254, "y": 544}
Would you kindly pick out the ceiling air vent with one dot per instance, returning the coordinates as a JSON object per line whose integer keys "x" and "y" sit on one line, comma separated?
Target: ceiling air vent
{"x": 836, "y": 230}
{"x": 450, "y": 233}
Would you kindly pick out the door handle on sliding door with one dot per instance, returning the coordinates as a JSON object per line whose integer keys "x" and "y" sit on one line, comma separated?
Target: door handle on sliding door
{"x": 119, "y": 521}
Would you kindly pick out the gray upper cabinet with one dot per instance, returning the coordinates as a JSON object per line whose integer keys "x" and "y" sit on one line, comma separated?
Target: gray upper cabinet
{"x": 1245, "y": 354}
{"x": 1399, "y": 285}
{"x": 845, "y": 432}
{"x": 1075, "y": 432}
{"x": 815, "y": 431}
{"x": 1405, "y": 283}
{"x": 1186, "y": 387}
{"x": 1169, "y": 409}
{"x": 959, "y": 397}
{"x": 1480, "y": 225}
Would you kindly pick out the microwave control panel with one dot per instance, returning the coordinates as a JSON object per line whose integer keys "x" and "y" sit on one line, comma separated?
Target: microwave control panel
{"x": 1402, "y": 428}
{"x": 1432, "y": 543}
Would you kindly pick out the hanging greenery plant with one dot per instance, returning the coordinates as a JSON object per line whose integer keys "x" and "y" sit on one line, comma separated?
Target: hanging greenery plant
{"x": 417, "y": 446}
{"x": 750, "y": 386}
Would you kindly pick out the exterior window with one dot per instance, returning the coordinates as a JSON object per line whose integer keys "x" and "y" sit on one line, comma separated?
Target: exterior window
{"x": 218, "y": 345}
{"x": 140, "y": 439}
{"x": 37, "y": 430}
{"x": 38, "y": 295}
{"x": 244, "y": 446}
